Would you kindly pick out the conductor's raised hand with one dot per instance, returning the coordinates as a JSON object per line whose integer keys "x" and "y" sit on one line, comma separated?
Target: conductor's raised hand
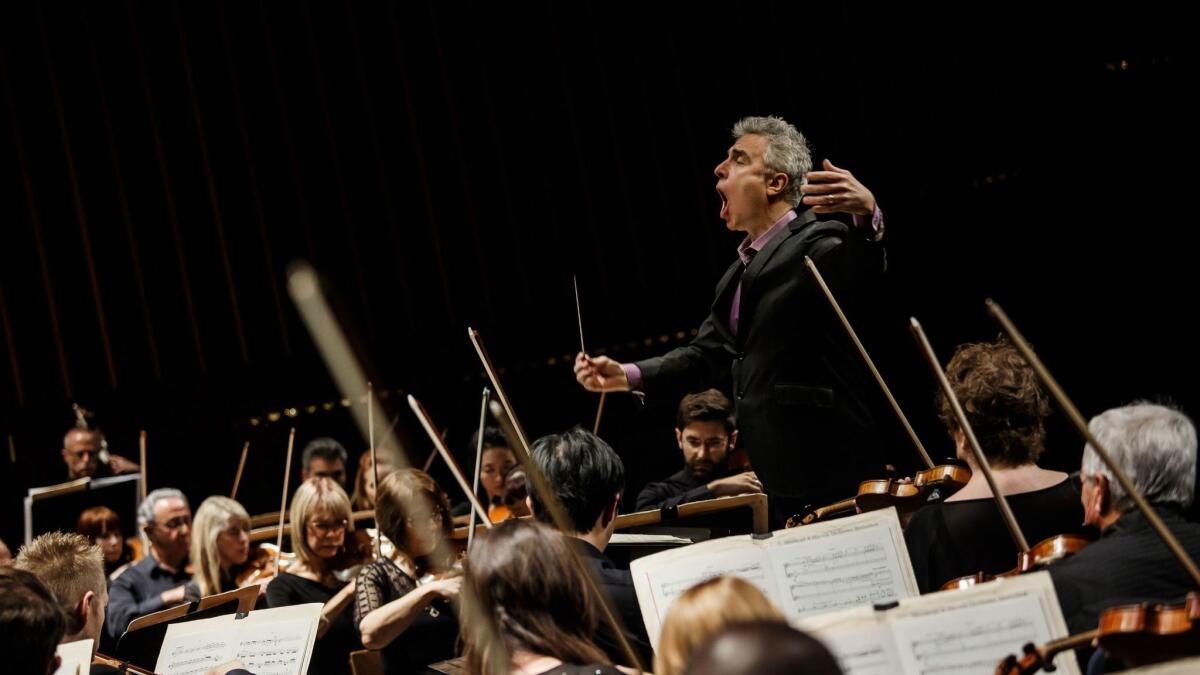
{"x": 600, "y": 373}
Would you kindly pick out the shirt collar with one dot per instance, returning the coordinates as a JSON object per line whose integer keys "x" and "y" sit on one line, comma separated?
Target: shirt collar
{"x": 748, "y": 248}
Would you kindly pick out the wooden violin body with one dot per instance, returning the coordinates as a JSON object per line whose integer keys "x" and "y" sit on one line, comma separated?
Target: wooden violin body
{"x": 1046, "y": 552}
{"x": 261, "y": 565}
{"x": 933, "y": 484}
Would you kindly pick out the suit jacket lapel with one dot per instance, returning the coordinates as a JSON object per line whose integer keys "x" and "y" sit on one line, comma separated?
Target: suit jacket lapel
{"x": 760, "y": 262}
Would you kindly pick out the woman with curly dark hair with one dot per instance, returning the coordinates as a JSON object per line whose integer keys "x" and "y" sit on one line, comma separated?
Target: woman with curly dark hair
{"x": 1007, "y": 409}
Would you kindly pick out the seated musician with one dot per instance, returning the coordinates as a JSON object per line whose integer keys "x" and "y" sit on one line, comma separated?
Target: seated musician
{"x": 701, "y": 613}
{"x": 521, "y": 576}
{"x": 589, "y": 477}
{"x": 320, "y": 521}
{"x": 763, "y": 648}
{"x": 102, "y": 526}
{"x": 706, "y": 434}
{"x": 1156, "y": 446}
{"x": 81, "y": 454}
{"x": 363, "y": 497}
{"x": 1006, "y": 408}
{"x": 516, "y": 492}
{"x": 409, "y": 620}
{"x": 71, "y": 567}
{"x": 159, "y": 580}
{"x": 324, "y": 458}
{"x": 31, "y": 624}
{"x": 494, "y": 464}
{"x": 220, "y": 544}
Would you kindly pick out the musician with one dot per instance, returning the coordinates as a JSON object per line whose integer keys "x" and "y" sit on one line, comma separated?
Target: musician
{"x": 521, "y": 575}
{"x": 324, "y": 458}
{"x": 31, "y": 624}
{"x": 516, "y": 492}
{"x": 159, "y": 580}
{"x": 363, "y": 497}
{"x": 801, "y": 393}
{"x": 220, "y": 544}
{"x": 320, "y": 519}
{"x": 1007, "y": 409}
{"x": 763, "y": 648}
{"x": 71, "y": 567}
{"x": 410, "y": 621}
{"x": 81, "y": 454}
{"x": 1156, "y": 446}
{"x": 494, "y": 464}
{"x": 701, "y": 613}
{"x": 706, "y": 435}
{"x": 102, "y": 526}
{"x": 588, "y": 478}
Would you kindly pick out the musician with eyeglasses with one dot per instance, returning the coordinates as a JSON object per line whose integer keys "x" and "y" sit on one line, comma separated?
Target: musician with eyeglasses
{"x": 320, "y": 521}
{"x": 159, "y": 580}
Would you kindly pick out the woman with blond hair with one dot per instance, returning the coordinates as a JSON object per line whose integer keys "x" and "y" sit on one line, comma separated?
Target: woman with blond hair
{"x": 320, "y": 520}
{"x": 701, "y": 613}
{"x": 220, "y": 543}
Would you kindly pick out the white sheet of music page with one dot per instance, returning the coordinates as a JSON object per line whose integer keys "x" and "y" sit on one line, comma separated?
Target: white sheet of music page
{"x": 76, "y": 657}
{"x": 805, "y": 570}
{"x": 951, "y": 632}
{"x": 275, "y": 641}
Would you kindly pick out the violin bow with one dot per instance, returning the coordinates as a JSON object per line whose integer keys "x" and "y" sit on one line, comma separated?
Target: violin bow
{"x": 237, "y": 479}
{"x": 287, "y": 473}
{"x": 487, "y": 394}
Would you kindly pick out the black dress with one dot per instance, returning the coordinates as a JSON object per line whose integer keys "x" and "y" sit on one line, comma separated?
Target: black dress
{"x": 331, "y": 654}
{"x": 430, "y": 638}
{"x": 948, "y": 540}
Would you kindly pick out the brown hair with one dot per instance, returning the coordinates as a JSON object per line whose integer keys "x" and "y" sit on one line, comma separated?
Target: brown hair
{"x": 702, "y": 612}
{"x": 68, "y": 565}
{"x": 521, "y": 578}
{"x": 97, "y": 522}
{"x": 1002, "y": 399}
{"x": 707, "y": 406}
{"x": 399, "y": 489}
{"x": 33, "y": 623}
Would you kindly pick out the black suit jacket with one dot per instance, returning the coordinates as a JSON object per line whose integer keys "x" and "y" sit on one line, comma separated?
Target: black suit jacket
{"x": 802, "y": 393}
{"x": 617, "y": 584}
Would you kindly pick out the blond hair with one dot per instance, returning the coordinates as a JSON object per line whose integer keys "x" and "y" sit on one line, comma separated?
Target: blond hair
{"x": 703, "y": 611}
{"x": 69, "y": 565}
{"x": 316, "y": 496}
{"x": 212, "y": 518}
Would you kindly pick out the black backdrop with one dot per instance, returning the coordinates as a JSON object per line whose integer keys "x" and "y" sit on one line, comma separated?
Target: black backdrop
{"x": 453, "y": 165}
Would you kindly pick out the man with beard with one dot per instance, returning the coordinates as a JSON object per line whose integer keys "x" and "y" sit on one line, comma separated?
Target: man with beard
{"x": 706, "y": 433}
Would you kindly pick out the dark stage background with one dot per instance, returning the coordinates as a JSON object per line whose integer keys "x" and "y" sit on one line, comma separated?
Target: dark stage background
{"x": 446, "y": 165}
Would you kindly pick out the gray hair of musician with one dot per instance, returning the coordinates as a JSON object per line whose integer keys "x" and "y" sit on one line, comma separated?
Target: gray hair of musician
{"x": 787, "y": 150}
{"x": 1154, "y": 444}
{"x": 145, "y": 512}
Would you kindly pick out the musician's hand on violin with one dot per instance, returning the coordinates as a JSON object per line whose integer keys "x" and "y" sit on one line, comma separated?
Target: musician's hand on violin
{"x": 600, "y": 373}
{"x": 447, "y": 588}
{"x": 836, "y": 190}
{"x": 118, "y": 465}
{"x": 737, "y": 484}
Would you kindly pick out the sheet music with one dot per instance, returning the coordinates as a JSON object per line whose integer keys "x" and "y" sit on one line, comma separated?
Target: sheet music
{"x": 76, "y": 657}
{"x": 855, "y": 561}
{"x": 274, "y": 641}
{"x": 961, "y": 631}
{"x": 804, "y": 571}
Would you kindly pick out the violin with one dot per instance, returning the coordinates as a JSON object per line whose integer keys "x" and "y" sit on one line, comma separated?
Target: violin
{"x": 932, "y": 484}
{"x": 1045, "y": 552}
{"x": 1136, "y": 634}
{"x": 263, "y": 565}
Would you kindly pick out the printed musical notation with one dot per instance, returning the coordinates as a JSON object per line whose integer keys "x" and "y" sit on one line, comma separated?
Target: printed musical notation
{"x": 195, "y": 656}
{"x": 272, "y": 650}
{"x": 973, "y": 645}
{"x": 277, "y": 648}
{"x": 836, "y": 560}
{"x": 873, "y": 587}
{"x": 750, "y": 570}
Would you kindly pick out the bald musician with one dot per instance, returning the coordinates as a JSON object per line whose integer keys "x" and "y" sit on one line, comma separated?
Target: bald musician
{"x": 802, "y": 395}
{"x": 81, "y": 454}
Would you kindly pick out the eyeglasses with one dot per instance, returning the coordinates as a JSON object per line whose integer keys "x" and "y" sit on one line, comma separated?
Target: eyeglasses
{"x": 177, "y": 522}
{"x": 328, "y": 526}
